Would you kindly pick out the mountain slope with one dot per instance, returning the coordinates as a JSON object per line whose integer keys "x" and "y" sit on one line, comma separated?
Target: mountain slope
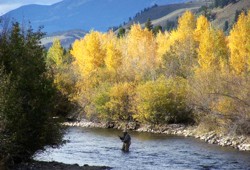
{"x": 161, "y": 15}
{"x": 173, "y": 11}
{"x": 163, "y": 10}
{"x": 82, "y": 14}
{"x": 66, "y": 38}
{"x": 228, "y": 13}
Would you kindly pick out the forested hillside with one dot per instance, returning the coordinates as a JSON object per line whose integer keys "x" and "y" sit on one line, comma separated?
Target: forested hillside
{"x": 194, "y": 74}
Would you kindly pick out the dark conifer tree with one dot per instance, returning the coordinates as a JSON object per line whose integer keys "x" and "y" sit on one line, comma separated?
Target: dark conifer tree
{"x": 27, "y": 115}
{"x": 149, "y": 25}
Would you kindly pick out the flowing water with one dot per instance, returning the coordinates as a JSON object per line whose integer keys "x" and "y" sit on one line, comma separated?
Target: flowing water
{"x": 147, "y": 151}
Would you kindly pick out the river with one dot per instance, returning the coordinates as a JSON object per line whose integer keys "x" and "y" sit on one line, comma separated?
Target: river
{"x": 147, "y": 151}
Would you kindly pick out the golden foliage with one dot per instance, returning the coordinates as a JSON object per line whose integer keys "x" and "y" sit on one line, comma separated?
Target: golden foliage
{"x": 89, "y": 53}
{"x": 212, "y": 51}
{"x": 141, "y": 52}
{"x": 186, "y": 27}
{"x": 181, "y": 57}
{"x": 161, "y": 101}
{"x": 163, "y": 44}
{"x": 55, "y": 54}
{"x": 113, "y": 60}
{"x": 239, "y": 44}
{"x": 201, "y": 26}
{"x": 148, "y": 77}
{"x": 60, "y": 69}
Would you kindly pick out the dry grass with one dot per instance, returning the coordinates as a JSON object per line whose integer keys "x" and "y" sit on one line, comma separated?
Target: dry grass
{"x": 161, "y": 14}
{"x": 228, "y": 13}
{"x": 173, "y": 11}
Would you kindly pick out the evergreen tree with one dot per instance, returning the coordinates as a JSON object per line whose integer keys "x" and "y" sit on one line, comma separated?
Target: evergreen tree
{"x": 170, "y": 25}
{"x": 149, "y": 25}
{"x": 28, "y": 111}
{"x": 121, "y": 32}
{"x": 157, "y": 29}
{"x": 236, "y": 16}
{"x": 226, "y": 26}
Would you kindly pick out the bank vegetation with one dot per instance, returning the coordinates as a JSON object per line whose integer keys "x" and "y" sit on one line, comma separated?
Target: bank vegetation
{"x": 194, "y": 74}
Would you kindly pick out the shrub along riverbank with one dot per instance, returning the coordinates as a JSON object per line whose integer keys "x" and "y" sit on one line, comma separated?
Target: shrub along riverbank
{"x": 238, "y": 142}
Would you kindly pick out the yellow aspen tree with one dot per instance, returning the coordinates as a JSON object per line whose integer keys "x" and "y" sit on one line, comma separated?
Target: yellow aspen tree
{"x": 186, "y": 27}
{"x": 59, "y": 67}
{"x": 206, "y": 55}
{"x": 248, "y": 42}
{"x": 54, "y": 61}
{"x": 139, "y": 41}
{"x": 78, "y": 53}
{"x": 163, "y": 44}
{"x": 239, "y": 40}
{"x": 202, "y": 25}
{"x": 113, "y": 55}
{"x": 94, "y": 51}
{"x": 89, "y": 63}
{"x": 141, "y": 52}
{"x": 212, "y": 51}
{"x": 88, "y": 53}
{"x": 182, "y": 55}
{"x": 221, "y": 45}
{"x": 106, "y": 38}
{"x": 113, "y": 59}
{"x": 55, "y": 54}
{"x": 127, "y": 70}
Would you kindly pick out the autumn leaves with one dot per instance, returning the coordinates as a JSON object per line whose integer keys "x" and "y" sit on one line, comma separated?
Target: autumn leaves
{"x": 160, "y": 78}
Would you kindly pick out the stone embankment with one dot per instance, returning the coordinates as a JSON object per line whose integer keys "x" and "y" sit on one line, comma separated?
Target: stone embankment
{"x": 239, "y": 142}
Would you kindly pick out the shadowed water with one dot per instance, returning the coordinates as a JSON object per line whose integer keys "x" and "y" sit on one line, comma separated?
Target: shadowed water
{"x": 147, "y": 151}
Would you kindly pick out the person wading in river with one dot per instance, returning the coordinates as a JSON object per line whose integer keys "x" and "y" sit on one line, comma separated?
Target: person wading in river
{"x": 126, "y": 139}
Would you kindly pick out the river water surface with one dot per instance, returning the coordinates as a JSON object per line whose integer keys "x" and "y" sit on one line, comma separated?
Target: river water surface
{"x": 148, "y": 151}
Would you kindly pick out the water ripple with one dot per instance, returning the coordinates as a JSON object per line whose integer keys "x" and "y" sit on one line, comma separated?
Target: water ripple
{"x": 148, "y": 151}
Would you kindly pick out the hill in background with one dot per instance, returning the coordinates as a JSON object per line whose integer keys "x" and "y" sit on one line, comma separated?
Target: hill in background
{"x": 66, "y": 37}
{"x": 82, "y": 14}
{"x": 229, "y": 13}
{"x": 167, "y": 15}
{"x": 160, "y": 15}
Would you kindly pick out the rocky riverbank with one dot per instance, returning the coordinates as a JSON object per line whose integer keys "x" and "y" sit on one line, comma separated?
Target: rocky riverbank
{"x": 39, "y": 165}
{"x": 238, "y": 142}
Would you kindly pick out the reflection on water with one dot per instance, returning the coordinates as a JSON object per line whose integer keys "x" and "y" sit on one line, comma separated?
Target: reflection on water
{"x": 147, "y": 151}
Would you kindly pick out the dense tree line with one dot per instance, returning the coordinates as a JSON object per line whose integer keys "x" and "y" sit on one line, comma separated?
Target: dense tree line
{"x": 193, "y": 73}
{"x": 27, "y": 95}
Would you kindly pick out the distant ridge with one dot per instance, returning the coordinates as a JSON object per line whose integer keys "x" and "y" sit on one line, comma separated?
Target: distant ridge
{"x": 160, "y": 15}
{"x": 82, "y": 14}
{"x": 66, "y": 37}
